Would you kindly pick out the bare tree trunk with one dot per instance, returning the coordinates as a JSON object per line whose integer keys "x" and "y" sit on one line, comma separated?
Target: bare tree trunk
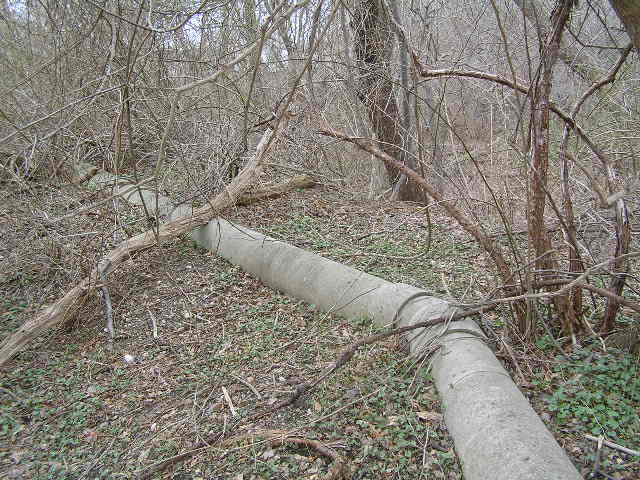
{"x": 540, "y": 107}
{"x": 408, "y": 144}
{"x": 373, "y": 48}
{"x": 620, "y": 266}
{"x": 628, "y": 12}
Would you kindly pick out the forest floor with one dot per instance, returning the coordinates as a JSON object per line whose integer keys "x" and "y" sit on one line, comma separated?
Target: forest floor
{"x": 76, "y": 406}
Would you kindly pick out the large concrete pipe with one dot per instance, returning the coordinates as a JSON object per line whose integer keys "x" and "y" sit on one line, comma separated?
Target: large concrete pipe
{"x": 497, "y": 434}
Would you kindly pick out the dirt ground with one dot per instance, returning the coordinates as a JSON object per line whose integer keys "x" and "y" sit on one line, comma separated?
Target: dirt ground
{"x": 201, "y": 348}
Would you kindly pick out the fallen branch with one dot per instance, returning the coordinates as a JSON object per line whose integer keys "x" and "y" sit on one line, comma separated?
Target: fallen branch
{"x": 56, "y": 314}
{"x": 491, "y": 247}
{"x": 338, "y": 469}
{"x": 273, "y": 191}
{"x": 348, "y": 353}
{"x": 264, "y": 193}
{"x": 615, "y": 446}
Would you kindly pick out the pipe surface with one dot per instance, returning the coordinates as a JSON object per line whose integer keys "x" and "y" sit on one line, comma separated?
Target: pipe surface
{"x": 497, "y": 433}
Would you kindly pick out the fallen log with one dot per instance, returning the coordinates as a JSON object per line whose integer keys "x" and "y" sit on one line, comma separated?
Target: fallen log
{"x": 273, "y": 191}
{"x": 163, "y": 206}
{"x": 60, "y": 310}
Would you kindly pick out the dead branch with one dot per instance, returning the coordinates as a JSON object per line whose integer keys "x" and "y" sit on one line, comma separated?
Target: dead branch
{"x": 55, "y": 314}
{"x": 273, "y": 191}
{"x": 615, "y": 446}
{"x": 491, "y": 248}
{"x": 338, "y": 470}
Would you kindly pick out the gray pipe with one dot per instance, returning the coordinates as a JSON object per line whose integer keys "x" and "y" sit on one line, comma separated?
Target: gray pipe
{"x": 497, "y": 434}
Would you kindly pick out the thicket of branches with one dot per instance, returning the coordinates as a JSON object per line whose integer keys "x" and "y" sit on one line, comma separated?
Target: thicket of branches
{"x": 517, "y": 118}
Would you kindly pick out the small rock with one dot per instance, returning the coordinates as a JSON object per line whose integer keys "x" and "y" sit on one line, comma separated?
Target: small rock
{"x": 268, "y": 454}
{"x": 352, "y": 393}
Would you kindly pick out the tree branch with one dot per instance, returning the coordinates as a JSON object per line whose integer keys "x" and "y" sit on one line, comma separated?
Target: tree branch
{"x": 368, "y": 145}
{"x": 58, "y": 312}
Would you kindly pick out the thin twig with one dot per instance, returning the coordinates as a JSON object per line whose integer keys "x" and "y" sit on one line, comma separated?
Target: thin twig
{"x": 615, "y": 446}
{"x": 227, "y": 397}
{"x": 251, "y": 387}
{"x": 154, "y": 323}
{"x": 106, "y": 298}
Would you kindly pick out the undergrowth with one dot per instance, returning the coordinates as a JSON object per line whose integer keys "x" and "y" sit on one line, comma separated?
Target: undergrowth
{"x": 599, "y": 394}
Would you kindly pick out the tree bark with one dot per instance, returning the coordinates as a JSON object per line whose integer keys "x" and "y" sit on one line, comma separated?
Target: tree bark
{"x": 620, "y": 267}
{"x": 540, "y": 108}
{"x": 373, "y": 48}
{"x": 628, "y": 12}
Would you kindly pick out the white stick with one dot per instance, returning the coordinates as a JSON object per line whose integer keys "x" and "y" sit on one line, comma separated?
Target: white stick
{"x": 614, "y": 445}
{"x": 229, "y": 402}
